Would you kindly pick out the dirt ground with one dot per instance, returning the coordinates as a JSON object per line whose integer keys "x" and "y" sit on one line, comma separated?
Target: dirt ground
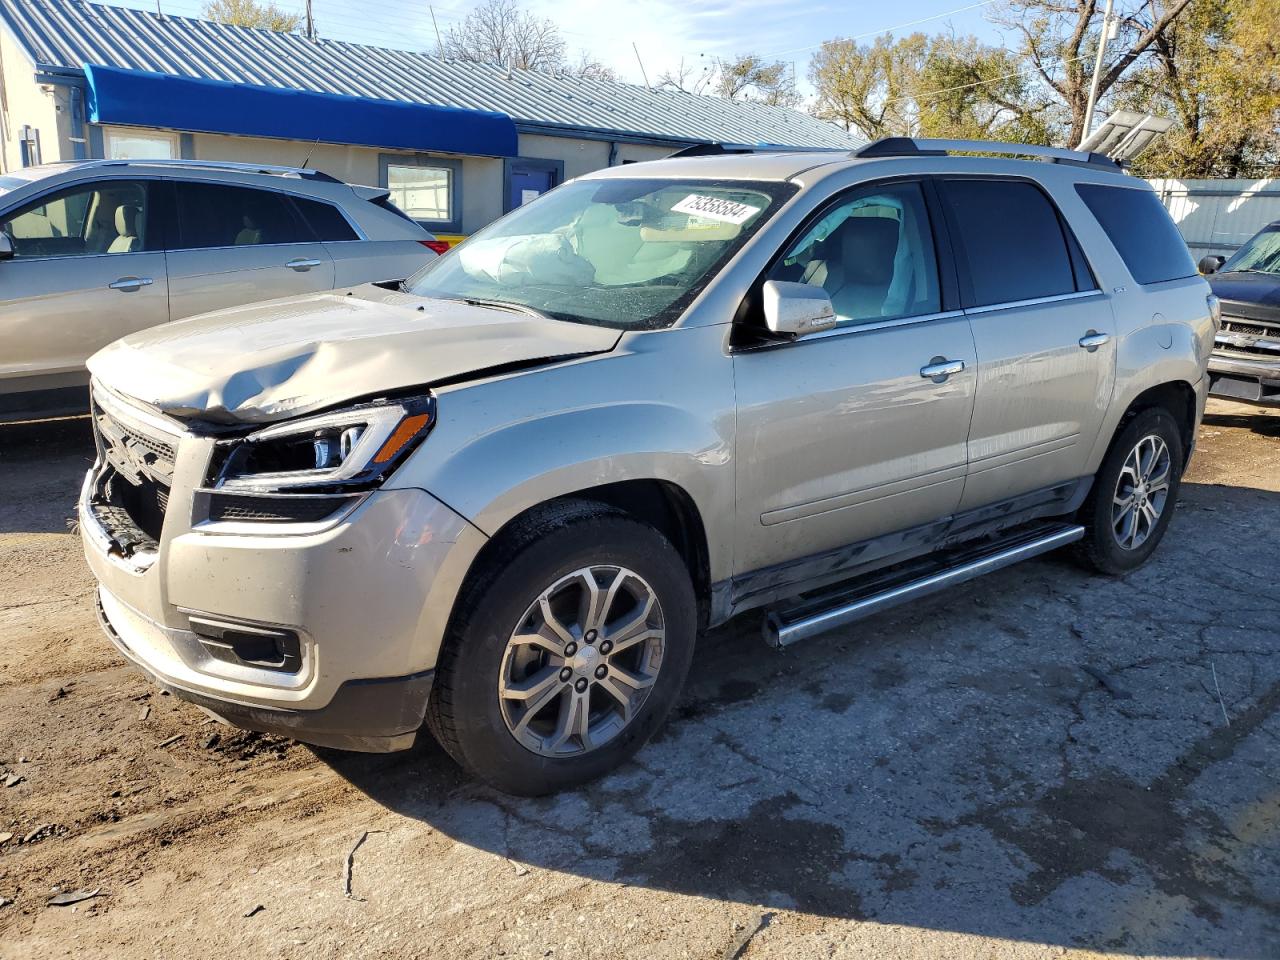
{"x": 1036, "y": 764}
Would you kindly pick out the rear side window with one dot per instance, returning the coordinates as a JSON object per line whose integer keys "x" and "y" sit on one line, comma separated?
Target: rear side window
{"x": 1011, "y": 238}
{"x": 325, "y": 220}
{"x": 1140, "y": 228}
{"x": 216, "y": 215}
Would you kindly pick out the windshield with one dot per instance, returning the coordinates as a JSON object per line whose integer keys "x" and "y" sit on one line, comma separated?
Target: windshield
{"x": 630, "y": 254}
{"x": 1259, "y": 255}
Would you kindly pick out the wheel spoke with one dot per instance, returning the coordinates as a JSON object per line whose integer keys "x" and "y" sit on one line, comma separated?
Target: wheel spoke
{"x": 574, "y": 721}
{"x": 636, "y": 630}
{"x": 533, "y": 687}
{"x": 596, "y": 602}
{"x": 1130, "y": 524}
{"x": 620, "y": 692}
{"x": 558, "y": 629}
{"x": 1151, "y": 514}
{"x": 634, "y": 681}
{"x": 545, "y": 639}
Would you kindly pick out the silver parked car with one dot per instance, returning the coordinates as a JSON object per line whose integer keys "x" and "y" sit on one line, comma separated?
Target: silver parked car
{"x": 506, "y": 497}
{"x": 96, "y": 249}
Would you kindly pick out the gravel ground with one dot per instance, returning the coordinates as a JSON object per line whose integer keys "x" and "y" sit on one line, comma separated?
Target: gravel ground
{"x": 1035, "y": 764}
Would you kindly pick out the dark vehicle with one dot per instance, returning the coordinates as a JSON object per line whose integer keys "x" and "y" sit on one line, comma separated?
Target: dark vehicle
{"x": 1245, "y": 364}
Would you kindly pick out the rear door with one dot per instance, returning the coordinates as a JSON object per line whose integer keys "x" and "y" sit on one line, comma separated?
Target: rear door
{"x": 88, "y": 268}
{"x": 1044, "y": 335}
{"x": 239, "y": 245}
{"x": 357, "y": 257}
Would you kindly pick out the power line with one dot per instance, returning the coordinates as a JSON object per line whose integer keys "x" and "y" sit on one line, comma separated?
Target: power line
{"x": 876, "y": 33}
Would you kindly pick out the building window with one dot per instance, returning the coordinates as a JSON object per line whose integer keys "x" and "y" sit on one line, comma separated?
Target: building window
{"x": 136, "y": 145}
{"x": 426, "y": 188}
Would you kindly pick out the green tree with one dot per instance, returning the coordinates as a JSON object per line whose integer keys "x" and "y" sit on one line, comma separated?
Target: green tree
{"x": 248, "y": 13}
{"x": 939, "y": 86}
{"x": 1216, "y": 73}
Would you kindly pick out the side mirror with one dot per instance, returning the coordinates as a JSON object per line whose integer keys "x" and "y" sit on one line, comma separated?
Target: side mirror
{"x": 795, "y": 309}
{"x": 1211, "y": 264}
{"x": 6, "y": 246}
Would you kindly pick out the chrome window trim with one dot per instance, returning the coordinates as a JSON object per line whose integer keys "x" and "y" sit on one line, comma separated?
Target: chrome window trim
{"x": 850, "y": 329}
{"x": 1033, "y": 301}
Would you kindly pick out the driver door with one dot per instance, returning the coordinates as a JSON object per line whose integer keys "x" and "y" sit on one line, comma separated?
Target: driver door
{"x": 859, "y": 431}
{"x": 88, "y": 268}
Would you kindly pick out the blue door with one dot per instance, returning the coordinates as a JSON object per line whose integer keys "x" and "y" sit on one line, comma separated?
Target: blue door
{"x": 528, "y": 182}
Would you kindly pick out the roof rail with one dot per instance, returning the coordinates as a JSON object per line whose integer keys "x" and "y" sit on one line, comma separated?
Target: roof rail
{"x": 267, "y": 168}
{"x": 930, "y": 147}
{"x": 725, "y": 149}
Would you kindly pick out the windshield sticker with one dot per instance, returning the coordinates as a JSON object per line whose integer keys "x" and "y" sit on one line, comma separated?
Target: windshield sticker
{"x": 714, "y": 208}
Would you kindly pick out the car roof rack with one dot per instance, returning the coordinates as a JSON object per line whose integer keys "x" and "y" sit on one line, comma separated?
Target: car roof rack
{"x": 932, "y": 147}
{"x": 726, "y": 149}
{"x": 230, "y": 165}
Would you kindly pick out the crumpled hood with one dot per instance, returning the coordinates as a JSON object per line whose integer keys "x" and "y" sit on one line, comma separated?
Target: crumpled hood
{"x": 275, "y": 360}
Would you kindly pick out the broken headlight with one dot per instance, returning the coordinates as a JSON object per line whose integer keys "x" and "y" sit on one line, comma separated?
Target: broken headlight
{"x": 343, "y": 451}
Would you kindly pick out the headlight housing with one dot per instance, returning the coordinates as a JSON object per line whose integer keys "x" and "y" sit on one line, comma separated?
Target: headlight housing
{"x": 306, "y": 470}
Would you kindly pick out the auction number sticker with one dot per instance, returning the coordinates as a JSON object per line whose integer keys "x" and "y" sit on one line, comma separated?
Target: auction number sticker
{"x": 715, "y": 208}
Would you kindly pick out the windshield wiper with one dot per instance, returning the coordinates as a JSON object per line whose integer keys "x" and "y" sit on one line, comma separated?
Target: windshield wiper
{"x": 503, "y": 305}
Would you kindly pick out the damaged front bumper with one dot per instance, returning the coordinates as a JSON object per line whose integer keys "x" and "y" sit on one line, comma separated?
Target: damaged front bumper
{"x": 327, "y": 632}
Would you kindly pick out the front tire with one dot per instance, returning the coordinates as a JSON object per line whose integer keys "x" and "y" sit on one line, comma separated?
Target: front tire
{"x": 1133, "y": 495}
{"x": 567, "y": 650}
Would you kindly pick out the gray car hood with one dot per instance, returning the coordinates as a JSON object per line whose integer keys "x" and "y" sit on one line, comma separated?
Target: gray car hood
{"x": 275, "y": 360}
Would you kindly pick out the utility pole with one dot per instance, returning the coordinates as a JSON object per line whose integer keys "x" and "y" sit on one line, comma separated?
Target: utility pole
{"x": 1108, "y": 31}
{"x": 311, "y": 23}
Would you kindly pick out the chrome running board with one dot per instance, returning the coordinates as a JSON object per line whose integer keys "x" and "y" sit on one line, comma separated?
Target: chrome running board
{"x": 820, "y": 613}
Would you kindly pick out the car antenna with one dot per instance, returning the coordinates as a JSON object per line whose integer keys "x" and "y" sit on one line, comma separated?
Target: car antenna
{"x": 314, "y": 144}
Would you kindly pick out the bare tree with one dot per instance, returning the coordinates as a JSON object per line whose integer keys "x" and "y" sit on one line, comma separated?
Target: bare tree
{"x": 696, "y": 77}
{"x": 1060, "y": 38}
{"x": 589, "y": 68}
{"x": 500, "y": 32}
{"x": 248, "y": 13}
{"x": 750, "y": 77}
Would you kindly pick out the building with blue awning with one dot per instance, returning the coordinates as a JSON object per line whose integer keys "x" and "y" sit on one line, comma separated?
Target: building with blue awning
{"x": 457, "y": 143}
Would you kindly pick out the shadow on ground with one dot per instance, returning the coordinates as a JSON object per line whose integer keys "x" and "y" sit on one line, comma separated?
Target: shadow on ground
{"x": 41, "y": 466}
{"x": 1042, "y": 756}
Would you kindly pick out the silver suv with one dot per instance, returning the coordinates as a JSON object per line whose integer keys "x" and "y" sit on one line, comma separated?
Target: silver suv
{"x": 96, "y": 249}
{"x": 506, "y": 496}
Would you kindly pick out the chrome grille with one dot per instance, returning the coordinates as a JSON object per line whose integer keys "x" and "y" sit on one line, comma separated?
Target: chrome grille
{"x": 135, "y": 473}
{"x": 1248, "y": 338}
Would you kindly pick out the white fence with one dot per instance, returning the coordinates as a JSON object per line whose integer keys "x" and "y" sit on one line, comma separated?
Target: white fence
{"x": 1217, "y": 216}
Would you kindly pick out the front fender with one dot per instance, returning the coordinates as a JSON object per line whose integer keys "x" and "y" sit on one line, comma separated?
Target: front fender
{"x": 659, "y": 408}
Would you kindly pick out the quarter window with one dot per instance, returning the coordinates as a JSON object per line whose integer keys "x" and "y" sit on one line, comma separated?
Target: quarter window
{"x": 88, "y": 220}
{"x": 325, "y": 220}
{"x": 216, "y": 215}
{"x": 1141, "y": 230}
{"x": 872, "y": 252}
{"x": 1012, "y": 239}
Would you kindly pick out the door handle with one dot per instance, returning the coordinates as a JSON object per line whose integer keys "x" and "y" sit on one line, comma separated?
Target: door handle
{"x": 129, "y": 284}
{"x": 1092, "y": 340}
{"x": 302, "y": 264}
{"x": 940, "y": 368}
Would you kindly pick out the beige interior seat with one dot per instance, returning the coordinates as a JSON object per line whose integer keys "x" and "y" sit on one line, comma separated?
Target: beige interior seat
{"x": 126, "y": 224}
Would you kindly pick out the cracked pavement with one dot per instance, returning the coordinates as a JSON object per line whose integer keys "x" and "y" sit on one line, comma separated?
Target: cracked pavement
{"x": 1036, "y": 763}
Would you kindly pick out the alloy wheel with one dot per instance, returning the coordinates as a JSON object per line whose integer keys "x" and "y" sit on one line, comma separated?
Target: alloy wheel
{"x": 581, "y": 661}
{"x": 1142, "y": 492}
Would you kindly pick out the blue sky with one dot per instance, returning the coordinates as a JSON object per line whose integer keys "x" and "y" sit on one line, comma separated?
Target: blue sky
{"x": 664, "y": 31}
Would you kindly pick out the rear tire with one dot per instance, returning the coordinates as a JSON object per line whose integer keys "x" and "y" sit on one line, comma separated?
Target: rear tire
{"x": 1133, "y": 495}
{"x": 529, "y": 694}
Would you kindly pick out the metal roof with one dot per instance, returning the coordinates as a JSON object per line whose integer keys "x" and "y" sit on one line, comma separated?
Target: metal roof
{"x": 66, "y": 34}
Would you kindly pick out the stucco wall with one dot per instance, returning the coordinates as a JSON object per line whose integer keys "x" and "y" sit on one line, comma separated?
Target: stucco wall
{"x": 47, "y": 109}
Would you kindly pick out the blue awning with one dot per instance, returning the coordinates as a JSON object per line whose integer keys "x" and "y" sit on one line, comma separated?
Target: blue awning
{"x": 138, "y": 98}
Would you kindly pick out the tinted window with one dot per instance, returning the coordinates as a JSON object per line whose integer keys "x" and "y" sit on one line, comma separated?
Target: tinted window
{"x": 87, "y": 220}
{"x": 1011, "y": 238}
{"x": 872, "y": 251}
{"x": 214, "y": 215}
{"x": 1141, "y": 231}
{"x": 325, "y": 220}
